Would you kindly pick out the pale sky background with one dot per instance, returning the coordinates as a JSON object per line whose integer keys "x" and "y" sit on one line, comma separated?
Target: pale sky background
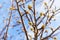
{"x": 39, "y": 8}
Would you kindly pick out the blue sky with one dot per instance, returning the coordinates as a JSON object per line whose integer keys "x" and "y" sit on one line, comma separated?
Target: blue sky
{"x": 4, "y": 13}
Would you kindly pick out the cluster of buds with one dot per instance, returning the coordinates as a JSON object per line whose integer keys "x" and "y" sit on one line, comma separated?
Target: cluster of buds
{"x": 46, "y": 31}
{"x": 21, "y": 13}
{"x": 32, "y": 29}
{"x": 27, "y": 12}
{"x": 30, "y": 23}
{"x": 19, "y": 21}
{"x": 42, "y": 14}
{"x": 45, "y": 3}
{"x": 29, "y": 7}
{"x": 53, "y": 11}
{"x": 12, "y": 8}
{"x": 43, "y": 26}
{"x": 48, "y": 16}
{"x": 55, "y": 38}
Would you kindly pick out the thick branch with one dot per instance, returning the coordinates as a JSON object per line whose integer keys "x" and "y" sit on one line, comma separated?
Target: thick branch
{"x": 22, "y": 20}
